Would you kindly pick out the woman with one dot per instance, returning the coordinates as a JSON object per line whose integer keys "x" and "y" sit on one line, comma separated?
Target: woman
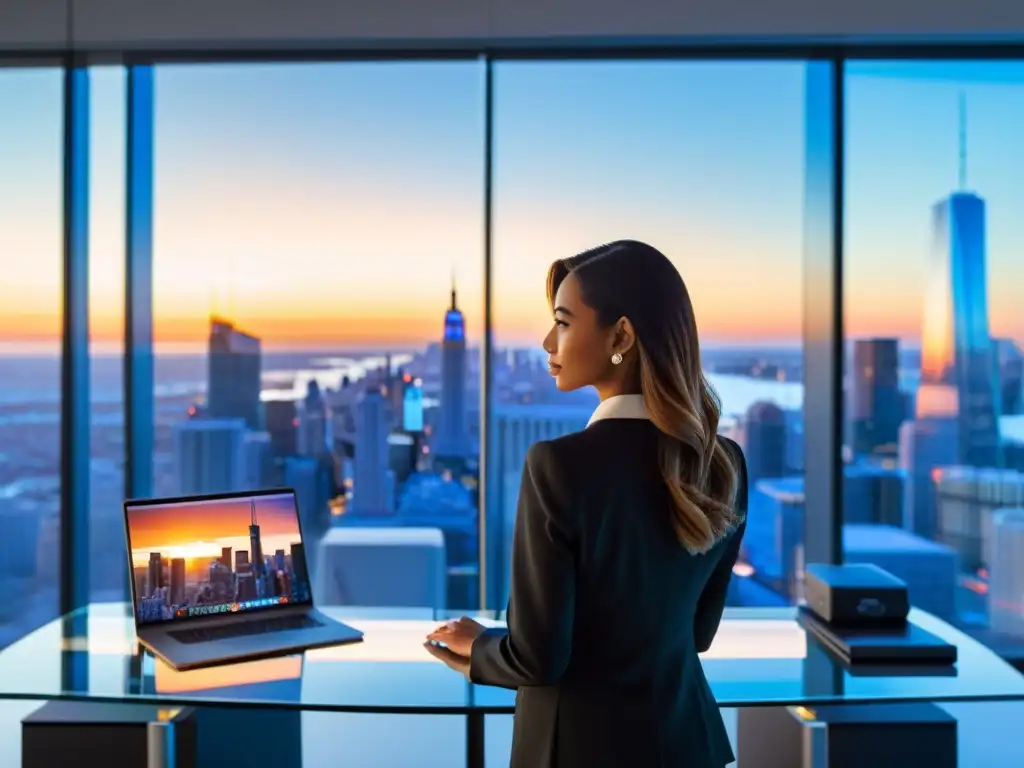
{"x": 625, "y": 538}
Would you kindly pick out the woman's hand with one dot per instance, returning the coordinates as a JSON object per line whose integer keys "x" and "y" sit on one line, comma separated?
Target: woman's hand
{"x": 453, "y": 661}
{"x": 458, "y": 636}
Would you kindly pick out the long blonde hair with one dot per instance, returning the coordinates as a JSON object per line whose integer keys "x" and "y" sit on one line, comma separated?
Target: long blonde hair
{"x": 634, "y": 280}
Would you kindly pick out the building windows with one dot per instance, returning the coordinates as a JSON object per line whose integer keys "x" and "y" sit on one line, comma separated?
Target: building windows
{"x": 590, "y": 152}
{"x": 317, "y": 293}
{"x": 934, "y": 370}
{"x": 31, "y": 161}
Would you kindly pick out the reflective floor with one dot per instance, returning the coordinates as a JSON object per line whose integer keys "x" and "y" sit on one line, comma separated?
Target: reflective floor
{"x": 988, "y": 738}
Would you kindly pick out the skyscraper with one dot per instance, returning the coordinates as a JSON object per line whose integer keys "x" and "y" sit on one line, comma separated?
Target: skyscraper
{"x": 452, "y": 436}
{"x": 373, "y": 492}
{"x": 233, "y": 386}
{"x": 314, "y": 433}
{"x": 259, "y": 567}
{"x": 210, "y": 455}
{"x": 764, "y": 441}
{"x": 958, "y": 371}
{"x": 876, "y": 404}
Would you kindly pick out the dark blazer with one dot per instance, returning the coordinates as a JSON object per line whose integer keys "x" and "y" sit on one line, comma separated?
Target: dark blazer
{"x": 607, "y": 612}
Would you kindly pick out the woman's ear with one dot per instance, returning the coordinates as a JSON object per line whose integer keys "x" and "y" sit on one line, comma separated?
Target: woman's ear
{"x": 623, "y": 336}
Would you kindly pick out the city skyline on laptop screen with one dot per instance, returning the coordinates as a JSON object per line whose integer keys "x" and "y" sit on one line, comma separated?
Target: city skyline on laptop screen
{"x": 207, "y": 557}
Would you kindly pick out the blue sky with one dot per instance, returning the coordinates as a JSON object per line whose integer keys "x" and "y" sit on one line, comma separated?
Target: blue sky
{"x": 331, "y": 202}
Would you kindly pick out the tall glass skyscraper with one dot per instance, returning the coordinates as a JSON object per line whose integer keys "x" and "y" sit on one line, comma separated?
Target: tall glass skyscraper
{"x": 233, "y": 384}
{"x": 958, "y": 372}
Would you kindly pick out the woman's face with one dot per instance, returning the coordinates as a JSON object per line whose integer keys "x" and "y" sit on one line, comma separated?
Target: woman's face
{"x": 578, "y": 354}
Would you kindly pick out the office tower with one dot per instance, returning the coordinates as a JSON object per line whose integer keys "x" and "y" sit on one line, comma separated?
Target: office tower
{"x": 396, "y": 385}
{"x": 452, "y": 439}
{"x": 155, "y": 579}
{"x": 209, "y": 456}
{"x": 1011, "y": 376}
{"x": 774, "y": 538}
{"x": 516, "y": 428}
{"x": 412, "y": 406}
{"x": 255, "y": 543}
{"x": 177, "y": 591}
{"x": 314, "y": 432}
{"x": 958, "y": 372}
{"x": 764, "y": 442}
{"x": 371, "y": 492}
{"x": 301, "y": 583}
{"x": 966, "y": 500}
{"x": 257, "y": 460}
{"x": 1006, "y": 579}
{"x": 233, "y": 386}
{"x": 873, "y": 494}
{"x": 925, "y": 445}
{"x": 794, "y": 440}
{"x": 313, "y": 481}
{"x": 929, "y": 569}
{"x": 225, "y": 557}
{"x": 403, "y": 455}
{"x": 876, "y": 403}
{"x": 282, "y": 424}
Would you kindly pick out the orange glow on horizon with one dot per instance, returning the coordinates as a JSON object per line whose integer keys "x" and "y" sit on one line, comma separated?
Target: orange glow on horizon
{"x": 195, "y": 531}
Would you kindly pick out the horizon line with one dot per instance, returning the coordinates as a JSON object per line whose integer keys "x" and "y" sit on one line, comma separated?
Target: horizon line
{"x": 41, "y": 350}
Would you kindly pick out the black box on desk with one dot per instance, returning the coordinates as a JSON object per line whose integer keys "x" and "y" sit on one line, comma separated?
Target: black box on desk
{"x": 846, "y": 736}
{"x": 855, "y": 595}
{"x": 70, "y": 734}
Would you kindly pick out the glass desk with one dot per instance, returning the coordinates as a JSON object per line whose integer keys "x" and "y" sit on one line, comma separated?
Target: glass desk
{"x": 761, "y": 657}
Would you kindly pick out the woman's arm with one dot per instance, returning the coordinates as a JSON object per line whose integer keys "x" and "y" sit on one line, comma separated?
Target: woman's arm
{"x": 711, "y": 604}
{"x": 535, "y": 648}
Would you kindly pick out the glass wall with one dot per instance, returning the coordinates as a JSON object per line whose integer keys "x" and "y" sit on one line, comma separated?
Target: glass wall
{"x": 590, "y": 152}
{"x": 108, "y": 575}
{"x": 317, "y": 297}
{"x": 934, "y": 443}
{"x": 31, "y": 226}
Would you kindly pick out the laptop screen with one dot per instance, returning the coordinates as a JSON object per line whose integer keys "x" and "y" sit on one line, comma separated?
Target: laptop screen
{"x": 213, "y": 556}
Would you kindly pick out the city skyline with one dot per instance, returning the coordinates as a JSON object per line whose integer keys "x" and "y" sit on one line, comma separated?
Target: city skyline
{"x": 201, "y": 530}
{"x": 323, "y": 196}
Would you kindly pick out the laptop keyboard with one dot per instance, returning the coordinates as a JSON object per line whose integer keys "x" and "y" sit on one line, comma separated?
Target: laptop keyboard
{"x": 245, "y": 628}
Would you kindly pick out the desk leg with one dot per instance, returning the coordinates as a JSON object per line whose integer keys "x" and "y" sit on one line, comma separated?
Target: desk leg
{"x": 475, "y": 740}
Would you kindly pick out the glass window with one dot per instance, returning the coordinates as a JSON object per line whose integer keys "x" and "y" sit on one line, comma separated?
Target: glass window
{"x": 318, "y": 277}
{"x": 106, "y": 329}
{"x": 934, "y": 443}
{"x": 31, "y": 163}
{"x": 663, "y": 152}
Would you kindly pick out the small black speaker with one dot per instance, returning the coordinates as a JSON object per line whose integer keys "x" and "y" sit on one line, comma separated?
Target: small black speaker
{"x": 70, "y": 734}
{"x": 856, "y": 595}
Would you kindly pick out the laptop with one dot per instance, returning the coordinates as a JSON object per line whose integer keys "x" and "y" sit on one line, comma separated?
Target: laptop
{"x": 223, "y": 578}
{"x": 903, "y": 645}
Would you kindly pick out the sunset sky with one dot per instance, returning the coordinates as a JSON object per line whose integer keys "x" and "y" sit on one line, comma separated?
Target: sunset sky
{"x": 201, "y": 529}
{"x": 329, "y": 204}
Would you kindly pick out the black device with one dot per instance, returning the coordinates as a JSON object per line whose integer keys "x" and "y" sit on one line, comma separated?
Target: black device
{"x": 856, "y": 595}
{"x": 897, "y": 646}
{"x": 71, "y": 734}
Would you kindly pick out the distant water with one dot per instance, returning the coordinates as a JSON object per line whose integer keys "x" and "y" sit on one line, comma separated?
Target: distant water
{"x": 36, "y": 380}
{"x": 33, "y": 383}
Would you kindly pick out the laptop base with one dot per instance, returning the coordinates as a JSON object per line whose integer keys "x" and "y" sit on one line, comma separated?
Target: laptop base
{"x": 209, "y": 653}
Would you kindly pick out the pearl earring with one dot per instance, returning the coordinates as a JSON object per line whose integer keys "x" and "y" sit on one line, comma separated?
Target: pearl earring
{"x": 616, "y": 358}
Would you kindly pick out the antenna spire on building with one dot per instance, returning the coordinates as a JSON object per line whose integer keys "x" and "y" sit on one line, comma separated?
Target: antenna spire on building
{"x": 455, "y": 304}
{"x": 252, "y": 512}
{"x": 963, "y": 143}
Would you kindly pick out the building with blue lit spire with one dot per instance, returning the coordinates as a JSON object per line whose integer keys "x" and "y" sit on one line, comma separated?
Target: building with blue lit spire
{"x": 452, "y": 439}
{"x": 958, "y": 366}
